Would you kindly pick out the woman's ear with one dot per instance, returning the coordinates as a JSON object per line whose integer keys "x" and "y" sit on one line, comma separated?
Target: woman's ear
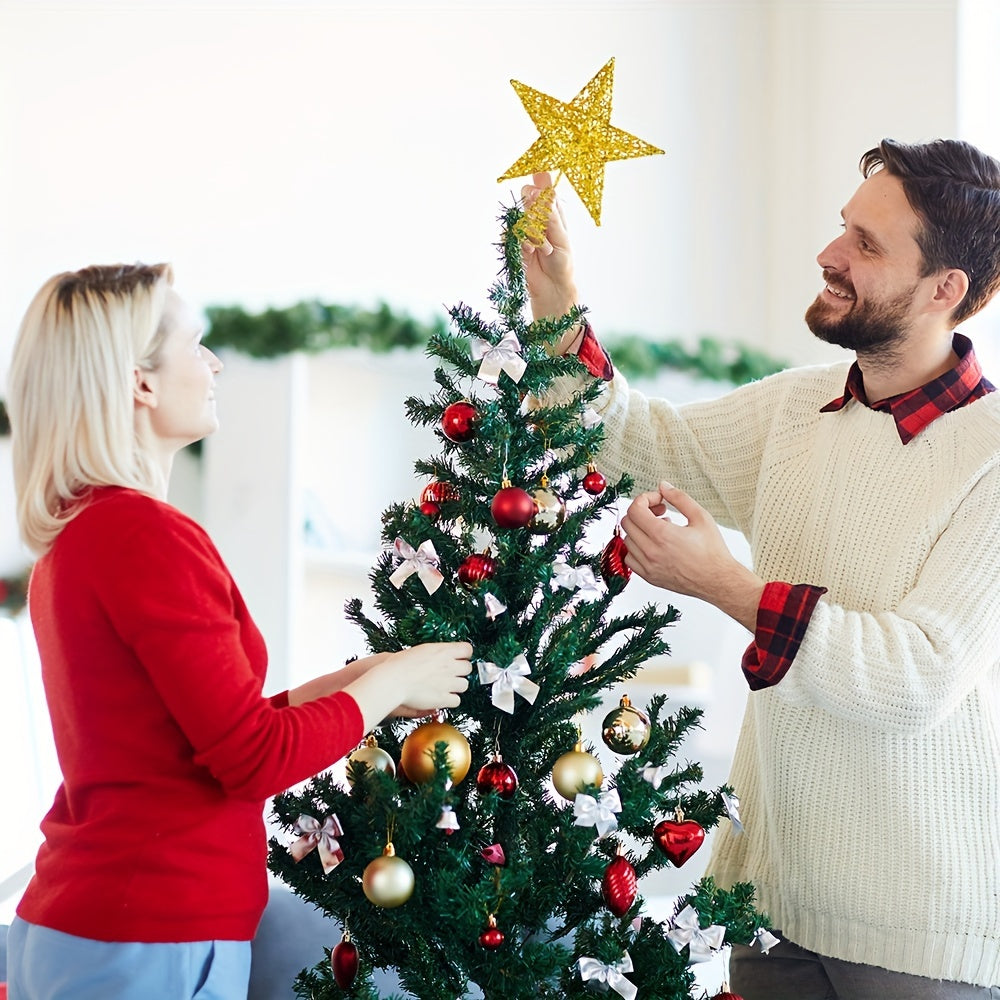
{"x": 143, "y": 389}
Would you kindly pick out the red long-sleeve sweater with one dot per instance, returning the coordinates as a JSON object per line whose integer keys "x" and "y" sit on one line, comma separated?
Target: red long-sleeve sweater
{"x": 153, "y": 673}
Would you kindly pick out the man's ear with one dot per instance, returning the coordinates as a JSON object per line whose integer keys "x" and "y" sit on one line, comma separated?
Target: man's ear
{"x": 951, "y": 288}
{"x": 143, "y": 388}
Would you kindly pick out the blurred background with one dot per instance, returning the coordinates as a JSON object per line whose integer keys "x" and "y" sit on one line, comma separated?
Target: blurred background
{"x": 276, "y": 152}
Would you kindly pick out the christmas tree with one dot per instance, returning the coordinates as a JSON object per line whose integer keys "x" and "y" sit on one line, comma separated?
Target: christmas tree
{"x": 486, "y": 853}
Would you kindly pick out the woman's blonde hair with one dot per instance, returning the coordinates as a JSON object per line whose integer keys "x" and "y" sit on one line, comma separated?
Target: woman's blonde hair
{"x": 70, "y": 390}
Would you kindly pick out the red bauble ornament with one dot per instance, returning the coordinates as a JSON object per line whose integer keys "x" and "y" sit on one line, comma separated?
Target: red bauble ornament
{"x": 438, "y": 492}
{"x": 458, "y": 422}
{"x": 512, "y": 507}
{"x": 678, "y": 838}
{"x": 430, "y": 509}
{"x": 619, "y": 885}
{"x": 613, "y": 560}
{"x": 496, "y": 776}
{"x": 476, "y": 568}
{"x": 726, "y": 995}
{"x": 344, "y": 960}
{"x": 593, "y": 482}
{"x": 492, "y": 937}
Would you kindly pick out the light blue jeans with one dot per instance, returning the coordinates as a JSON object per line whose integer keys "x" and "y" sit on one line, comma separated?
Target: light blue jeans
{"x": 44, "y": 964}
{"x": 789, "y": 972}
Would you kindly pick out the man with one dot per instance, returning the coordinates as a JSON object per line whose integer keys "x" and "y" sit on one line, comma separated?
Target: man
{"x": 869, "y": 760}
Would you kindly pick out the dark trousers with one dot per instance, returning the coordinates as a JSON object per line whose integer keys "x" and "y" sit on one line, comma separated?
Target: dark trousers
{"x": 788, "y": 972}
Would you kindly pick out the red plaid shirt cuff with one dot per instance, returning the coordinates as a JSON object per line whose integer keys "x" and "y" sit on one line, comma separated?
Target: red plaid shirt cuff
{"x": 595, "y": 359}
{"x": 782, "y": 618}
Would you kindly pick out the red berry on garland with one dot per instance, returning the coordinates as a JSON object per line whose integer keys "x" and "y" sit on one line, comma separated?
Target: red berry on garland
{"x": 344, "y": 961}
{"x": 512, "y": 507}
{"x": 613, "y": 560}
{"x": 430, "y": 509}
{"x": 492, "y": 937}
{"x": 458, "y": 422}
{"x": 477, "y": 568}
{"x": 496, "y": 776}
{"x": 619, "y": 885}
{"x": 593, "y": 482}
{"x": 678, "y": 838}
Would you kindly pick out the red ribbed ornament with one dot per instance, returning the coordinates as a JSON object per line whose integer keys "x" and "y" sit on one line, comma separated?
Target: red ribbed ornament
{"x": 438, "y": 492}
{"x": 478, "y": 567}
{"x": 344, "y": 961}
{"x": 619, "y": 886}
{"x": 613, "y": 559}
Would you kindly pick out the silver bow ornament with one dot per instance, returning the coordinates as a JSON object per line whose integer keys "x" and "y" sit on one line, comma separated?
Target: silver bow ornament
{"x": 598, "y": 812}
{"x": 593, "y": 971}
{"x": 496, "y": 358}
{"x": 655, "y": 774}
{"x": 763, "y": 937}
{"x": 732, "y": 807}
{"x": 323, "y": 836}
{"x": 508, "y": 680}
{"x": 422, "y": 560}
{"x": 579, "y": 578}
{"x": 687, "y": 930}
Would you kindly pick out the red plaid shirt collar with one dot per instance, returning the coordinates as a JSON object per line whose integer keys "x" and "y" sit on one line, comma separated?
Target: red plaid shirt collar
{"x": 917, "y": 409}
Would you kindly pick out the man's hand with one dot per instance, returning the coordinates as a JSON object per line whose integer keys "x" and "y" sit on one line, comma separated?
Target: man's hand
{"x": 690, "y": 559}
{"x": 548, "y": 268}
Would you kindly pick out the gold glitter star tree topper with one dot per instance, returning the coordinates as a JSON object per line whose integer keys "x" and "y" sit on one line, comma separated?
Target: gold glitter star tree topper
{"x": 577, "y": 139}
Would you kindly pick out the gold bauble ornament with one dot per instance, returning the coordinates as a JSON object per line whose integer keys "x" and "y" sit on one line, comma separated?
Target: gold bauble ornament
{"x": 625, "y": 729}
{"x": 371, "y": 755}
{"x": 576, "y": 770}
{"x": 388, "y": 881}
{"x": 577, "y": 138}
{"x": 416, "y": 757}
{"x": 550, "y": 511}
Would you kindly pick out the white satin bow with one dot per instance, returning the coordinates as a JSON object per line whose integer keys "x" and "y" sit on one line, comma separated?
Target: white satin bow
{"x": 594, "y": 970}
{"x": 598, "y": 812}
{"x": 323, "y": 836}
{"x": 687, "y": 930}
{"x": 508, "y": 680}
{"x": 496, "y": 358}
{"x": 423, "y": 561}
{"x": 579, "y": 578}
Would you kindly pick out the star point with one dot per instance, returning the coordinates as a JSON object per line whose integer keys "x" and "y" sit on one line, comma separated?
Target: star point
{"x": 577, "y": 138}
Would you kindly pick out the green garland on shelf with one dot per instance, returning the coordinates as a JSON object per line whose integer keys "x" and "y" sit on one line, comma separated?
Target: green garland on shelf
{"x": 312, "y": 326}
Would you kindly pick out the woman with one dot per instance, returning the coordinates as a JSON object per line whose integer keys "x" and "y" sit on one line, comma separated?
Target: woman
{"x": 152, "y": 876}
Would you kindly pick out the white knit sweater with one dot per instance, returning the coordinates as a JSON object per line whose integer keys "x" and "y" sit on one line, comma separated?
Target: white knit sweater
{"x": 869, "y": 777}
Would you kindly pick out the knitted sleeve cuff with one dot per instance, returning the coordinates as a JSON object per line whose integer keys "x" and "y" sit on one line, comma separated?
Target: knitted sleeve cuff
{"x": 782, "y": 618}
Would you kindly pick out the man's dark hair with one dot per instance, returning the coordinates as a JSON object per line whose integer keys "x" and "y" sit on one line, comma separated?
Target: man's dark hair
{"x": 955, "y": 191}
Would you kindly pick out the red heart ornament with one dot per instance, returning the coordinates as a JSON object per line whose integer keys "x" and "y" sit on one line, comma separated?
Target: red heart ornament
{"x": 678, "y": 839}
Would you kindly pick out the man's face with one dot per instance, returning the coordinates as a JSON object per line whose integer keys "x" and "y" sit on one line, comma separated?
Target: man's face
{"x": 872, "y": 271}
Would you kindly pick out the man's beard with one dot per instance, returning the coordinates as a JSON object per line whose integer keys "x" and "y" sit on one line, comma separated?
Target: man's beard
{"x": 871, "y": 328}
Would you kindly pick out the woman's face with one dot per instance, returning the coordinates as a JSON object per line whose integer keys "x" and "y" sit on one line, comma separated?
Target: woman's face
{"x": 182, "y": 386}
